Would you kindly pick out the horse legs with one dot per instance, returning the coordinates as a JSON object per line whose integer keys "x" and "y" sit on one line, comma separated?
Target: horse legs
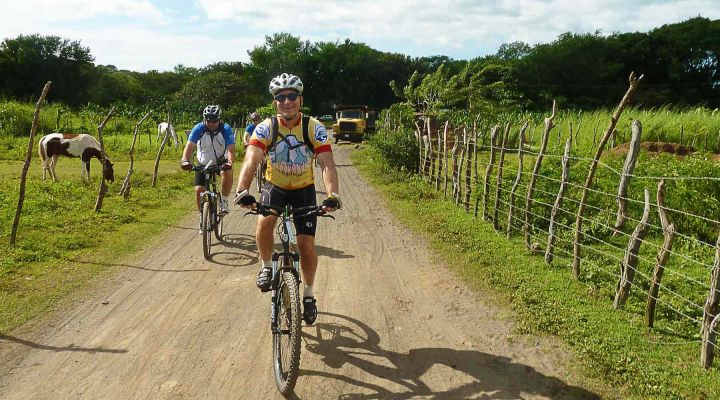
{"x": 51, "y": 167}
{"x": 86, "y": 171}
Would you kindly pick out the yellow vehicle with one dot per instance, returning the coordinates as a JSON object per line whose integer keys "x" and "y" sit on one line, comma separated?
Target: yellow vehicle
{"x": 352, "y": 122}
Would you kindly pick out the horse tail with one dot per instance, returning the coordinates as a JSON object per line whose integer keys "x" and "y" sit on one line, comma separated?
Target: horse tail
{"x": 41, "y": 150}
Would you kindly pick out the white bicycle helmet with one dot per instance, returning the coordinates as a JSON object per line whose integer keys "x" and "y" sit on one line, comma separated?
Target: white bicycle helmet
{"x": 212, "y": 112}
{"x": 285, "y": 81}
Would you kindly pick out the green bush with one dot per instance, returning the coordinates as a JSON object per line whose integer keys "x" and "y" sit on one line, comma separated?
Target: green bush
{"x": 399, "y": 148}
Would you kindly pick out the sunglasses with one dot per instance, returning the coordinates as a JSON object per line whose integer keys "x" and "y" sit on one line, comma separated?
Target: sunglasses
{"x": 290, "y": 96}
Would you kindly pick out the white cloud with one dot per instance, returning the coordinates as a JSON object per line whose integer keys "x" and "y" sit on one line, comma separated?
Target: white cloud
{"x": 455, "y": 25}
{"x": 35, "y": 11}
{"x": 146, "y": 34}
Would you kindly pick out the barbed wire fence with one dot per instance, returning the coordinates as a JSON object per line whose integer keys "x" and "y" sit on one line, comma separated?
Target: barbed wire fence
{"x": 587, "y": 223}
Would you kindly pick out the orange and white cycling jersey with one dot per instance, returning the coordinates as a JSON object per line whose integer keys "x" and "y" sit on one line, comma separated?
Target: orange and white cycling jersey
{"x": 290, "y": 162}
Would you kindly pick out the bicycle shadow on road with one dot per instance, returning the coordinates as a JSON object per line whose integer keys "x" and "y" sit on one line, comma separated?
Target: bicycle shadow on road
{"x": 244, "y": 251}
{"x": 349, "y": 341}
{"x": 71, "y": 347}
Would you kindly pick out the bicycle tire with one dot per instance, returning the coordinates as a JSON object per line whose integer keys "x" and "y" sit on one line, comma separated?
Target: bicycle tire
{"x": 286, "y": 340}
{"x": 206, "y": 234}
{"x": 259, "y": 177}
{"x": 218, "y": 222}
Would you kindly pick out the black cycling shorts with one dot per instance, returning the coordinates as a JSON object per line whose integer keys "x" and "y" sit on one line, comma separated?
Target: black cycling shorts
{"x": 200, "y": 176}
{"x": 304, "y": 197}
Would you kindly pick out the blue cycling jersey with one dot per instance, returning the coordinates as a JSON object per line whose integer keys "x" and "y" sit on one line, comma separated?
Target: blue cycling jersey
{"x": 211, "y": 145}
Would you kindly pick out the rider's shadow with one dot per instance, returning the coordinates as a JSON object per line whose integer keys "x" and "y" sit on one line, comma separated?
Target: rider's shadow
{"x": 236, "y": 250}
{"x": 323, "y": 251}
{"x": 347, "y": 340}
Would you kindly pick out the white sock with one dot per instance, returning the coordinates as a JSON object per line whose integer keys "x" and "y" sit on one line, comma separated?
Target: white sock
{"x": 266, "y": 263}
{"x": 308, "y": 291}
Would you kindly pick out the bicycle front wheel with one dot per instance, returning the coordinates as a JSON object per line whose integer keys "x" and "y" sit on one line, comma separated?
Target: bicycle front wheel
{"x": 206, "y": 229}
{"x": 218, "y": 222}
{"x": 286, "y": 339}
{"x": 260, "y": 177}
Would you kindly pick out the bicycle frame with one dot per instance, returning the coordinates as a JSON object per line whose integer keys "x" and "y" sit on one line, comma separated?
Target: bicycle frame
{"x": 285, "y": 297}
{"x": 211, "y": 220}
{"x": 286, "y": 260}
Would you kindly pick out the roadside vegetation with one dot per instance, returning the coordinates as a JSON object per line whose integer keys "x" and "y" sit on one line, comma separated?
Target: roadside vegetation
{"x": 63, "y": 245}
{"x": 658, "y": 363}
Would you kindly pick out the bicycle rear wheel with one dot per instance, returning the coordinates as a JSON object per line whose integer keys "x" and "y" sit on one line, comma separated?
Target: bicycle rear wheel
{"x": 206, "y": 229}
{"x": 286, "y": 340}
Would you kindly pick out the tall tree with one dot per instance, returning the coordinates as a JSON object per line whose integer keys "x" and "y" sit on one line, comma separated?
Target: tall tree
{"x": 27, "y": 62}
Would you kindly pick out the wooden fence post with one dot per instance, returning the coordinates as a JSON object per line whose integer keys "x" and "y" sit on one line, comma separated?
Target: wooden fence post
{"x": 26, "y": 166}
{"x": 455, "y": 170}
{"x": 630, "y": 261}
{"x": 536, "y": 170}
{"x": 157, "y": 158}
{"x": 499, "y": 179}
{"x": 475, "y": 166}
{"x": 710, "y": 312}
{"x": 488, "y": 170}
{"x": 468, "y": 172}
{"x": 446, "y": 162}
{"x": 518, "y": 178}
{"x": 125, "y": 188}
{"x": 431, "y": 158}
{"x": 628, "y": 168}
{"x": 663, "y": 254}
{"x": 102, "y": 190}
{"x": 709, "y": 339}
{"x": 558, "y": 202}
{"x": 419, "y": 140}
{"x": 459, "y": 189}
{"x": 634, "y": 82}
{"x": 440, "y": 158}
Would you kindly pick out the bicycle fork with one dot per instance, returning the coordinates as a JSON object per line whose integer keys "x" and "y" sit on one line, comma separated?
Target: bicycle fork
{"x": 276, "y": 272}
{"x": 209, "y": 197}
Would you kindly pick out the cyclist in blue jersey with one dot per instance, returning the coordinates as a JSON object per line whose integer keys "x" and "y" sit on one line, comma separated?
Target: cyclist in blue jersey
{"x": 255, "y": 118}
{"x": 215, "y": 143}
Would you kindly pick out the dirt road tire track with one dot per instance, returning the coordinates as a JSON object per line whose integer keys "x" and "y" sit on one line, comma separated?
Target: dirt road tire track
{"x": 392, "y": 325}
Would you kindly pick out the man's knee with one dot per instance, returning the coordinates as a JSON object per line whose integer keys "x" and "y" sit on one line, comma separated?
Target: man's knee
{"x": 306, "y": 245}
{"x": 265, "y": 225}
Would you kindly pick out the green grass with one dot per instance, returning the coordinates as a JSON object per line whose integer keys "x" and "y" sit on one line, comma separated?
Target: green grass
{"x": 661, "y": 363}
{"x": 698, "y": 127}
{"x": 63, "y": 245}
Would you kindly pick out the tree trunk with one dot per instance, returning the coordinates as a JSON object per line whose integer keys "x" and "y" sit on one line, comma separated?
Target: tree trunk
{"x": 102, "y": 190}
{"x": 634, "y": 82}
{"x": 26, "y": 166}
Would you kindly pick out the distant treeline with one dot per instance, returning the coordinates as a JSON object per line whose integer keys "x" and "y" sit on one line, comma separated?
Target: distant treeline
{"x": 680, "y": 63}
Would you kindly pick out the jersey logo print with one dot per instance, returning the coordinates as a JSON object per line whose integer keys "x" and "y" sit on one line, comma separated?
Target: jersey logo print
{"x": 262, "y": 131}
{"x": 320, "y": 134}
{"x": 292, "y": 158}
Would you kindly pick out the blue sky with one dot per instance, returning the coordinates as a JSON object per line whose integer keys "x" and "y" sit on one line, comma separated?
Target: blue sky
{"x": 142, "y": 35}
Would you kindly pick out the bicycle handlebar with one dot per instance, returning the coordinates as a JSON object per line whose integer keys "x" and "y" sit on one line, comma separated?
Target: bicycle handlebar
{"x": 215, "y": 169}
{"x": 295, "y": 212}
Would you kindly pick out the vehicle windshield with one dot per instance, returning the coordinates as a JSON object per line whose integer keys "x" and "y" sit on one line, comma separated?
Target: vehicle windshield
{"x": 351, "y": 114}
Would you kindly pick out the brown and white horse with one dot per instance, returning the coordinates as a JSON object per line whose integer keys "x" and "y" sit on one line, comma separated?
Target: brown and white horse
{"x": 54, "y": 145}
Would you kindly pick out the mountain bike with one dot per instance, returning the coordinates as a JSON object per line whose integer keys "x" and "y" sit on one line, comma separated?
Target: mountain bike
{"x": 212, "y": 219}
{"x": 286, "y": 316}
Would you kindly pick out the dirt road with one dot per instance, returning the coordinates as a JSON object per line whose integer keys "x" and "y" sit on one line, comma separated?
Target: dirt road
{"x": 392, "y": 325}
